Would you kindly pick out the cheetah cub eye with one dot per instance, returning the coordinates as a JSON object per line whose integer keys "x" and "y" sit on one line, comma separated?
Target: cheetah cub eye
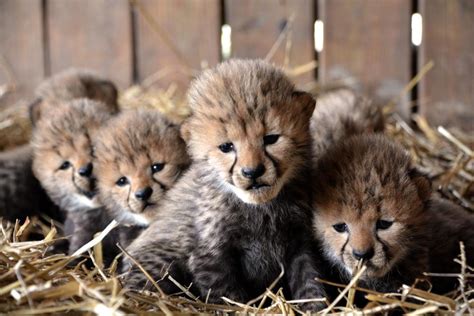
{"x": 226, "y": 147}
{"x": 340, "y": 227}
{"x": 122, "y": 181}
{"x": 383, "y": 224}
{"x": 157, "y": 167}
{"x": 65, "y": 165}
{"x": 270, "y": 139}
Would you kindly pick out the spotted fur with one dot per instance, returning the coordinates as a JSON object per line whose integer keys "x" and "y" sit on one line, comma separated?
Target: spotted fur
{"x": 231, "y": 236}
{"x": 62, "y": 146}
{"x": 73, "y": 84}
{"x": 342, "y": 113}
{"x": 21, "y": 194}
{"x": 369, "y": 184}
{"x": 145, "y": 149}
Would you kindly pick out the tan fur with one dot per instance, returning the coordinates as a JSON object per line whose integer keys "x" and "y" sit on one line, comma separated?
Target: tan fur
{"x": 342, "y": 113}
{"x": 215, "y": 231}
{"x": 366, "y": 179}
{"x": 73, "y": 84}
{"x": 243, "y": 111}
{"x": 356, "y": 184}
{"x": 66, "y": 136}
{"x": 128, "y": 146}
{"x": 52, "y": 95}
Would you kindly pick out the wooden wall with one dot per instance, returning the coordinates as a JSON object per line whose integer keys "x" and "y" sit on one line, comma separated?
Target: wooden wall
{"x": 366, "y": 43}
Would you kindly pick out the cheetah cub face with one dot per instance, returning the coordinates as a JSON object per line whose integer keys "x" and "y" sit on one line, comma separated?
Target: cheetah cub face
{"x": 250, "y": 127}
{"x": 369, "y": 204}
{"x": 139, "y": 156}
{"x": 62, "y": 148}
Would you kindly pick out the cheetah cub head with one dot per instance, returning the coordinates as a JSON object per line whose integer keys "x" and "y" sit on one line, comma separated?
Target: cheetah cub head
{"x": 73, "y": 84}
{"x": 369, "y": 204}
{"x": 248, "y": 128}
{"x": 138, "y": 156}
{"x": 62, "y": 159}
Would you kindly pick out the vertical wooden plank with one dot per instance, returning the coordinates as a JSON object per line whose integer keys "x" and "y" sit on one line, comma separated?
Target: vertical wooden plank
{"x": 193, "y": 31}
{"x": 447, "y": 91}
{"x": 21, "y": 48}
{"x": 367, "y": 43}
{"x": 95, "y": 34}
{"x": 257, "y": 24}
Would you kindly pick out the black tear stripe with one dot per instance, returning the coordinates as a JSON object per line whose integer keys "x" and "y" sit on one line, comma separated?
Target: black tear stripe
{"x": 128, "y": 197}
{"x": 344, "y": 248}
{"x": 89, "y": 142}
{"x": 162, "y": 186}
{"x": 231, "y": 171}
{"x": 275, "y": 163}
{"x": 384, "y": 247}
{"x": 81, "y": 191}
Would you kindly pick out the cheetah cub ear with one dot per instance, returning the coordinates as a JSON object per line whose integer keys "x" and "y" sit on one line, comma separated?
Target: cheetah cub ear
{"x": 305, "y": 101}
{"x": 422, "y": 184}
{"x": 185, "y": 131}
{"x": 34, "y": 110}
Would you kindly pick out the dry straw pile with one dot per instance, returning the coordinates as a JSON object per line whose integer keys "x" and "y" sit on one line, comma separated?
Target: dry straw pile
{"x": 34, "y": 280}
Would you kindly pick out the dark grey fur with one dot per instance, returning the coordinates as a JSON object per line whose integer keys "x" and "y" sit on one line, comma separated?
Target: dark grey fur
{"x": 204, "y": 230}
{"x": 233, "y": 248}
{"x": 21, "y": 194}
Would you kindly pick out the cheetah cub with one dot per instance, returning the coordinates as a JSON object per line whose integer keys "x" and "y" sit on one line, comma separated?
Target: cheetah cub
{"x": 341, "y": 113}
{"x": 72, "y": 84}
{"x": 62, "y": 162}
{"x": 139, "y": 157}
{"x": 372, "y": 205}
{"x": 21, "y": 194}
{"x": 241, "y": 213}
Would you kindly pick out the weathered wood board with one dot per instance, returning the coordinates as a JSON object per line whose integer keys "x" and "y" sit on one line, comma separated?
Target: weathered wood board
{"x": 181, "y": 38}
{"x": 21, "y": 45}
{"x": 367, "y": 45}
{"x": 94, "y": 34}
{"x": 447, "y": 91}
{"x": 257, "y": 25}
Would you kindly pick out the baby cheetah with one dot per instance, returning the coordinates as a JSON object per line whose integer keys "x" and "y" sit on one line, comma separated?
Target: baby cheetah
{"x": 62, "y": 162}
{"x": 139, "y": 157}
{"x": 342, "y": 113}
{"x": 240, "y": 214}
{"x": 73, "y": 84}
{"x": 372, "y": 205}
{"x": 20, "y": 192}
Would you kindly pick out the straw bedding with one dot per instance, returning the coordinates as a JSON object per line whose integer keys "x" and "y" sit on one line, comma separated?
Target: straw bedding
{"x": 34, "y": 280}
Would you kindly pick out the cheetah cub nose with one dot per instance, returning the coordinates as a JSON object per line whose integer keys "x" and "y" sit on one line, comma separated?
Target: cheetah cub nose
{"x": 253, "y": 173}
{"x": 366, "y": 254}
{"x": 85, "y": 171}
{"x": 144, "y": 194}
